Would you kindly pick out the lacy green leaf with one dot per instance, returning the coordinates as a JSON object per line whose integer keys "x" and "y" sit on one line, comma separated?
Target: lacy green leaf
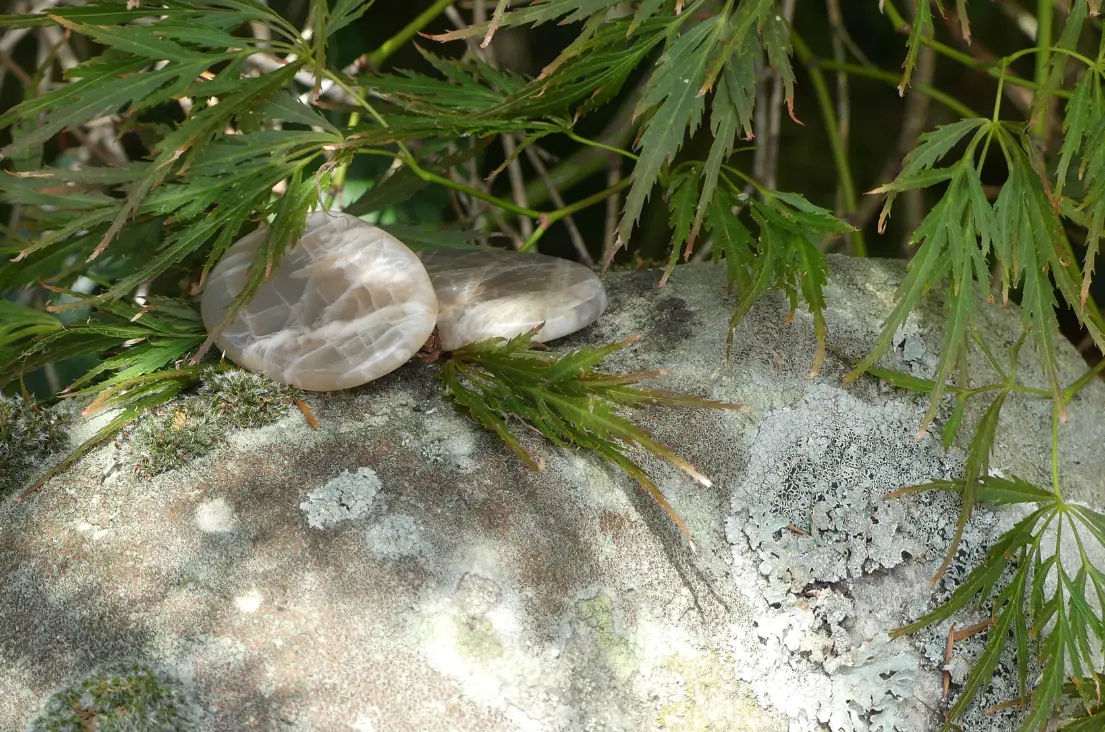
{"x": 674, "y": 92}
{"x": 565, "y": 399}
{"x": 921, "y": 30}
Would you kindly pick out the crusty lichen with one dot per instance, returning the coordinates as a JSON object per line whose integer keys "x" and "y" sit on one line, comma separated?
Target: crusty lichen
{"x": 707, "y": 698}
{"x": 812, "y": 527}
{"x": 28, "y": 434}
{"x": 125, "y": 696}
{"x": 476, "y": 639}
{"x": 598, "y": 612}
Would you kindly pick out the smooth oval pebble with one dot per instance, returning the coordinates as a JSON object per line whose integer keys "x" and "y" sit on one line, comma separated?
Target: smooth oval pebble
{"x": 348, "y": 304}
{"x": 483, "y": 293}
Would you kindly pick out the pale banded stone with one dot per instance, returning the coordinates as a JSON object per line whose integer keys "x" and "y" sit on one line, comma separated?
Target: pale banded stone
{"x": 348, "y": 304}
{"x": 491, "y": 292}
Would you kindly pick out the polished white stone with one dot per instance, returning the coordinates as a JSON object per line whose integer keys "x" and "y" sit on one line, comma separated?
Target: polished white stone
{"x": 348, "y": 304}
{"x": 491, "y": 292}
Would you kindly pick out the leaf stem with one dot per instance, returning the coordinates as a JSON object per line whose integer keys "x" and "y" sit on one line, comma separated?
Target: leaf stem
{"x": 902, "y": 26}
{"x": 836, "y": 141}
{"x": 591, "y": 200}
{"x": 502, "y": 203}
{"x": 996, "y": 117}
{"x": 377, "y": 58}
{"x": 871, "y": 73}
{"x": 1045, "y": 13}
{"x": 600, "y": 145}
{"x": 1086, "y": 378}
{"x": 1055, "y": 450}
{"x": 547, "y": 220}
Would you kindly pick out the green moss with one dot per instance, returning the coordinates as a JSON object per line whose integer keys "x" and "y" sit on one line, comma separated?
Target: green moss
{"x": 123, "y": 696}
{"x": 174, "y": 435}
{"x": 244, "y": 399}
{"x": 28, "y": 434}
{"x": 598, "y": 612}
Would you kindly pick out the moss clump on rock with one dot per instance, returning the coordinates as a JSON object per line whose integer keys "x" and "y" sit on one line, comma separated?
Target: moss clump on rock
{"x": 28, "y": 434}
{"x": 244, "y": 399}
{"x": 124, "y": 696}
{"x": 171, "y": 436}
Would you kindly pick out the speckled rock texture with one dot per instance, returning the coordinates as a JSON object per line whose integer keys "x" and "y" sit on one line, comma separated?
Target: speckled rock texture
{"x": 399, "y": 569}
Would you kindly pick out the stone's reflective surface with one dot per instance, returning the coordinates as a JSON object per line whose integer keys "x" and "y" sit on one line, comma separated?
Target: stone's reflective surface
{"x": 348, "y": 304}
{"x": 492, "y": 292}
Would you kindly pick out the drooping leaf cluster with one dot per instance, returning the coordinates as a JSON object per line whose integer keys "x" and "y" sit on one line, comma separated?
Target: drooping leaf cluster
{"x": 784, "y": 255}
{"x": 1020, "y": 233}
{"x": 139, "y": 355}
{"x": 565, "y": 398}
{"x": 205, "y": 179}
{"x": 1039, "y": 593}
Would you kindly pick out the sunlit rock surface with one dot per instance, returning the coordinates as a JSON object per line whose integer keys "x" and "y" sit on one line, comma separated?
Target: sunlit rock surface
{"x": 348, "y": 304}
{"x": 399, "y": 569}
{"x": 491, "y": 292}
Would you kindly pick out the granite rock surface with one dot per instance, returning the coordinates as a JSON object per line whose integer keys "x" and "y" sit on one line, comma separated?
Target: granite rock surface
{"x": 399, "y": 569}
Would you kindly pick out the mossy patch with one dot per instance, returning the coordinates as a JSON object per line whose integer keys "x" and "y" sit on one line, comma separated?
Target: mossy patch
{"x": 124, "y": 696}
{"x": 171, "y": 436}
{"x": 242, "y": 399}
{"x": 28, "y": 434}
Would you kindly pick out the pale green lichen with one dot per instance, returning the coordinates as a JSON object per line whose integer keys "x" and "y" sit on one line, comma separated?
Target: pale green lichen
{"x": 28, "y": 434}
{"x": 598, "y": 612}
{"x": 476, "y": 639}
{"x": 120, "y": 697}
{"x": 710, "y": 699}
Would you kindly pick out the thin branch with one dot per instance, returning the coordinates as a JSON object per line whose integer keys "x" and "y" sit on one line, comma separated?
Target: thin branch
{"x": 573, "y": 231}
{"x": 914, "y": 121}
{"x": 613, "y": 207}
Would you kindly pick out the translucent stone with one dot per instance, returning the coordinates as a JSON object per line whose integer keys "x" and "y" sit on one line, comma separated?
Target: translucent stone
{"x": 492, "y": 292}
{"x": 348, "y": 304}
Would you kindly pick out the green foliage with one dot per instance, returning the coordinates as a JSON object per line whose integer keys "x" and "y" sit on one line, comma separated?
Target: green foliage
{"x": 1043, "y": 596}
{"x": 240, "y": 128}
{"x": 568, "y": 401}
{"x": 119, "y": 697}
{"x": 28, "y": 434}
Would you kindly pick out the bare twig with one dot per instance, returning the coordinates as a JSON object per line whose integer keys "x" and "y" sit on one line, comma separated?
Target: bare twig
{"x": 613, "y": 206}
{"x": 914, "y": 122}
{"x": 573, "y": 231}
{"x": 1024, "y": 19}
{"x": 517, "y": 182}
{"x": 843, "y": 102}
{"x": 766, "y": 162}
{"x": 1019, "y": 95}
